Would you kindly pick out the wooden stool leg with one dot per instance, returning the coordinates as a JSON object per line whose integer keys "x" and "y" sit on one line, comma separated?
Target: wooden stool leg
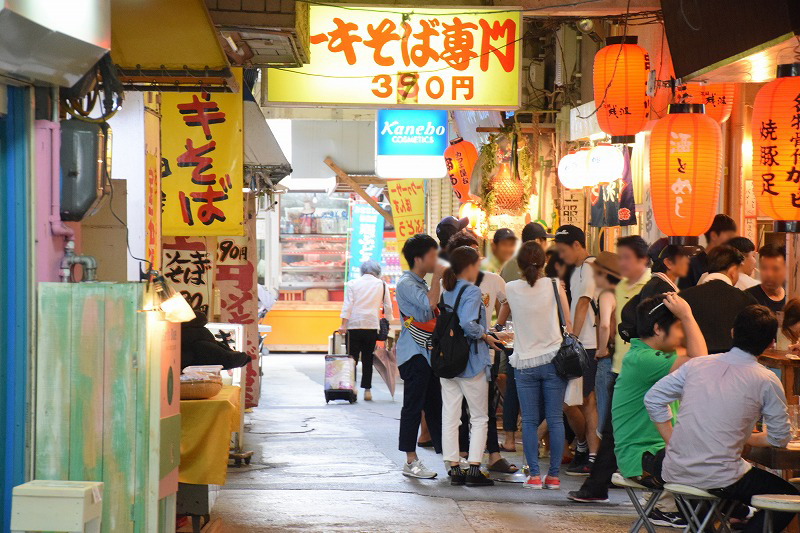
{"x": 767, "y": 521}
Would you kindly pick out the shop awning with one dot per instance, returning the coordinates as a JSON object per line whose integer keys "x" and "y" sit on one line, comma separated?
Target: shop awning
{"x": 261, "y": 149}
{"x": 172, "y": 45}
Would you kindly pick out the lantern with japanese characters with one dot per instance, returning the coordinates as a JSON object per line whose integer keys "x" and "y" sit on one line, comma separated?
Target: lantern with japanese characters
{"x": 621, "y": 69}
{"x": 685, "y": 171}
{"x": 460, "y": 158}
{"x": 605, "y": 164}
{"x": 572, "y": 169}
{"x": 776, "y": 145}
{"x": 716, "y": 97}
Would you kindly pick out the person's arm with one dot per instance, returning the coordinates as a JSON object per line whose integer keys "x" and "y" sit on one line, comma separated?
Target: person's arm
{"x": 469, "y": 309}
{"x": 607, "y": 306}
{"x": 695, "y": 342}
{"x": 347, "y": 306}
{"x": 776, "y": 418}
{"x": 436, "y": 286}
{"x": 503, "y": 314}
{"x": 413, "y": 301}
{"x": 562, "y": 294}
{"x": 581, "y": 309}
{"x": 388, "y": 312}
{"x": 657, "y": 400}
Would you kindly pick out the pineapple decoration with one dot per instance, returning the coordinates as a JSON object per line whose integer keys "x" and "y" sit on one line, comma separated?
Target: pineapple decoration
{"x": 507, "y": 174}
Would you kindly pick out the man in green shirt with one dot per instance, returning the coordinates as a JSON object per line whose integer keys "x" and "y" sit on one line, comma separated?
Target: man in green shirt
{"x": 504, "y": 244}
{"x": 663, "y": 322}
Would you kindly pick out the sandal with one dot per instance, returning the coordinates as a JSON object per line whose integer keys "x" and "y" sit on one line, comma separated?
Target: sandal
{"x": 425, "y": 444}
{"x": 503, "y": 466}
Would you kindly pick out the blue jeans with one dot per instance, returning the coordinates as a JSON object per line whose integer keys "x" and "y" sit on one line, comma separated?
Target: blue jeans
{"x": 535, "y": 386}
{"x": 602, "y": 391}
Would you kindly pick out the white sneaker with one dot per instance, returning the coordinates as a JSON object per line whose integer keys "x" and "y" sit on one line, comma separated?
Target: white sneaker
{"x": 418, "y": 470}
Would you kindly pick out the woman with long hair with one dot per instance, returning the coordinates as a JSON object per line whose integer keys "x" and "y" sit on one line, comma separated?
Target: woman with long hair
{"x": 458, "y": 282}
{"x": 537, "y": 340}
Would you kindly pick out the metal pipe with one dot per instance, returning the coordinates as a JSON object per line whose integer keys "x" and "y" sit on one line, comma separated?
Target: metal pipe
{"x": 87, "y": 262}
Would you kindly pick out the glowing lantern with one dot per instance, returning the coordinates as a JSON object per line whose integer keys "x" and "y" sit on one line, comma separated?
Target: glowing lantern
{"x": 621, "y": 69}
{"x": 606, "y": 164}
{"x": 460, "y": 158}
{"x": 717, "y": 97}
{"x": 508, "y": 190}
{"x": 572, "y": 169}
{"x": 685, "y": 171}
{"x": 776, "y": 145}
{"x": 476, "y": 215}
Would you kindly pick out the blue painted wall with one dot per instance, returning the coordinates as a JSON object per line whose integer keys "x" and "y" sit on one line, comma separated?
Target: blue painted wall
{"x": 14, "y": 280}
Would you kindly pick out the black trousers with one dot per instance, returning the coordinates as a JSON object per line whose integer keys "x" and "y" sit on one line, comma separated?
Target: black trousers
{"x": 757, "y": 481}
{"x": 361, "y": 342}
{"x": 606, "y": 462}
{"x": 421, "y": 392}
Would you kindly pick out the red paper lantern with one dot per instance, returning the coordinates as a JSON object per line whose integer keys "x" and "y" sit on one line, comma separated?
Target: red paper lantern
{"x": 685, "y": 170}
{"x": 508, "y": 190}
{"x": 776, "y": 145}
{"x": 460, "y": 158}
{"x": 621, "y": 69}
{"x": 717, "y": 97}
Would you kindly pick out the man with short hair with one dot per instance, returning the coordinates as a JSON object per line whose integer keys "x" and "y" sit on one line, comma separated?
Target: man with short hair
{"x": 748, "y": 266}
{"x": 722, "y": 399}
{"x": 445, "y": 229}
{"x": 722, "y": 229}
{"x": 772, "y": 265}
{"x": 571, "y": 244}
{"x": 716, "y": 302}
{"x": 421, "y": 391}
{"x": 533, "y": 231}
{"x": 504, "y": 244}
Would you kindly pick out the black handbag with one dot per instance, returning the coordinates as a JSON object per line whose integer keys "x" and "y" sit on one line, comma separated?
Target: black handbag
{"x": 383, "y": 325}
{"x": 571, "y": 361}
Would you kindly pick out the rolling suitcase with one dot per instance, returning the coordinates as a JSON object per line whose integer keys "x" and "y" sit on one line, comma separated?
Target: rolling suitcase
{"x": 340, "y": 372}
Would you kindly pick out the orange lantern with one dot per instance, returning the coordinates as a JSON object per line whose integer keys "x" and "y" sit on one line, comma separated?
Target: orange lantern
{"x": 477, "y": 218}
{"x": 685, "y": 171}
{"x": 508, "y": 190}
{"x": 621, "y": 69}
{"x": 717, "y": 97}
{"x": 460, "y": 158}
{"x": 776, "y": 145}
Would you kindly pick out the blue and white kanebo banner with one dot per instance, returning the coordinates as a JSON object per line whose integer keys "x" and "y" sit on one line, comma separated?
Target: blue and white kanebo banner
{"x": 410, "y": 143}
{"x": 366, "y": 239}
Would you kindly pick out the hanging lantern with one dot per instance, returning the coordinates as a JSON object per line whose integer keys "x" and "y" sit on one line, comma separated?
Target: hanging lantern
{"x": 685, "y": 171}
{"x": 476, "y": 215}
{"x": 606, "y": 164}
{"x": 717, "y": 97}
{"x": 507, "y": 189}
{"x": 460, "y": 158}
{"x": 621, "y": 69}
{"x": 776, "y": 145}
{"x": 571, "y": 170}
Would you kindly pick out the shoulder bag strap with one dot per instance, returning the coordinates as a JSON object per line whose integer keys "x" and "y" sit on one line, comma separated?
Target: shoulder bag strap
{"x": 480, "y": 278}
{"x": 561, "y": 320}
{"x": 383, "y": 299}
{"x": 458, "y": 298}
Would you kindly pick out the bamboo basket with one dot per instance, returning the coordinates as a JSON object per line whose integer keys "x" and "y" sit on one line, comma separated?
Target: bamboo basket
{"x": 201, "y": 389}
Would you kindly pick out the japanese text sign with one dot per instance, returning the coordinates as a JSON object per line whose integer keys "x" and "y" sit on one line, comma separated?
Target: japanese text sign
{"x": 366, "y": 238}
{"x": 202, "y": 157}
{"x": 187, "y": 265}
{"x": 408, "y": 211}
{"x": 392, "y": 56}
{"x": 410, "y": 143}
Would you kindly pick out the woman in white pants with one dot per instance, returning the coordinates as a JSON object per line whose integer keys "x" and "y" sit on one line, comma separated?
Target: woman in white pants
{"x": 472, "y": 384}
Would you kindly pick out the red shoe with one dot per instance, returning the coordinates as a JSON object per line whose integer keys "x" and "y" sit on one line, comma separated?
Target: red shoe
{"x": 552, "y": 483}
{"x": 533, "y": 482}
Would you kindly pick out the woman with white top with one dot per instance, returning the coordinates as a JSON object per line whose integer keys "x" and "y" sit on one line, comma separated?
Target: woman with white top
{"x": 537, "y": 339}
{"x": 361, "y": 312}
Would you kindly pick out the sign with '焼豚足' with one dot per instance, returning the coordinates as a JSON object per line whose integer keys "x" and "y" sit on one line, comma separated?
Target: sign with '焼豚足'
{"x": 410, "y": 57}
{"x": 410, "y": 143}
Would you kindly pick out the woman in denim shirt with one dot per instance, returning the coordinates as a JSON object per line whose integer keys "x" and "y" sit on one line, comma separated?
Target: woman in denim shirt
{"x": 473, "y": 383}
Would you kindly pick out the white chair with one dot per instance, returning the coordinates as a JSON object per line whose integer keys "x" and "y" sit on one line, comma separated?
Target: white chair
{"x": 701, "y": 508}
{"x": 630, "y": 487}
{"x": 782, "y": 503}
{"x": 44, "y": 505}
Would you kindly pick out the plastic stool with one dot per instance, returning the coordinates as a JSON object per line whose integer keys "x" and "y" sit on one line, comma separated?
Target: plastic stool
{"x": 796, "y": 482}
{"x": 700, "y": 508}
{"x": 644, "y": 513}
{"x": 43, "y": 505}
{"x": 782, "y": 503}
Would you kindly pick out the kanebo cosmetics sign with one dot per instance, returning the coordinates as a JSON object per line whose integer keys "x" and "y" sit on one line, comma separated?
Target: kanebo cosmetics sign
{"x": 410, "y": 143}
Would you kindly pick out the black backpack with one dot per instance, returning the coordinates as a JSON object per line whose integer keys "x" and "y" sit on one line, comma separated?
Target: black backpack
{"x": 449, "y": 345}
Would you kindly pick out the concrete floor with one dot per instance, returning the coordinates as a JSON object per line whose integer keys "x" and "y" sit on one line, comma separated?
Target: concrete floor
{"x": 336, "y": 467}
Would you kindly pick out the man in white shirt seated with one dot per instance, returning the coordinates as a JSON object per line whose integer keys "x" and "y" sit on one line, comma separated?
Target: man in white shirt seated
{"x": 722, "y": 398}
{"x": 364, "y": 298}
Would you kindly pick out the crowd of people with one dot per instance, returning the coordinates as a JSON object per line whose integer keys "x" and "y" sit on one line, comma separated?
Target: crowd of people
{"x": 648, "y": 316}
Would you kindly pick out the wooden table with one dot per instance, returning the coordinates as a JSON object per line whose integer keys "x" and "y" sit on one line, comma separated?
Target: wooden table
{"x": 790, "y": 371}
{"x": 774, "y": 458}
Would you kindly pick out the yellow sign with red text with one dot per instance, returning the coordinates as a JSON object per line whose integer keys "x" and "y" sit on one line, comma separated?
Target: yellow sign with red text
{"x": 408, "y": 211}
{"x": 406, "y": 57}
{"x": 201, "y": 167}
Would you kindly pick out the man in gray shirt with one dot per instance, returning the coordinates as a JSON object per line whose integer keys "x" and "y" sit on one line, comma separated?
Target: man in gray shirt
{"x": 722, "y": 398}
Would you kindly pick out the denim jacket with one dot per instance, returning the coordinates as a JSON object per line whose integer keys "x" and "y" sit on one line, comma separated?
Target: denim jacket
{"x": 472, "y": 318}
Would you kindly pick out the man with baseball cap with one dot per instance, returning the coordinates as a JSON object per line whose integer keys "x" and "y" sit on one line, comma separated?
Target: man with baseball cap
{"x": 533, "y": 231}
{"x": 448, "y": 227}
{"x": 504, "y": 244}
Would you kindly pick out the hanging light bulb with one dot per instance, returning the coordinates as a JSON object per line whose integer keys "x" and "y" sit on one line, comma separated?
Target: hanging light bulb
{"x": 170, "y": 301}
{"x": 476, "y": 216}
{"x": 606, "y": 164}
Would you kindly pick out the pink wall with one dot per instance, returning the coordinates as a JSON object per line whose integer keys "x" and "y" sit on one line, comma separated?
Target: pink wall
{"x": 49, "y": 247}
